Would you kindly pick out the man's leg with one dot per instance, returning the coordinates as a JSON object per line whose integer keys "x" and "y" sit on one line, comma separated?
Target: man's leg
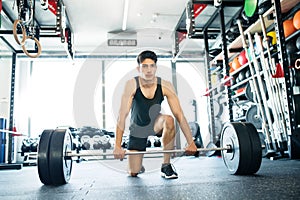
{"x": 135, "y": 164}
{"x": 165, "y": 125}
{"x": 135, "y": 161}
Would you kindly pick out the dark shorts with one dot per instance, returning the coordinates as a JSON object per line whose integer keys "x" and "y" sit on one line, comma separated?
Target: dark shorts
{"x": 137, "y": 143}
{"x": 139, "y": 135}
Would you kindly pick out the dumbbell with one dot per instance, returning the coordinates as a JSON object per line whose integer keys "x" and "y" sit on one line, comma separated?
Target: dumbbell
{"x": 157, "y": 142}
{"x": 85, "y": 140}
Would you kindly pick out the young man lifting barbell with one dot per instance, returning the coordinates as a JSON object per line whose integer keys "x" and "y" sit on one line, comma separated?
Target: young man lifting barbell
{"x": 143, "y": 95}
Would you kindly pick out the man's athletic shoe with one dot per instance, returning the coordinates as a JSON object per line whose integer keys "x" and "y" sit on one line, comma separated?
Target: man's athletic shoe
{"x": 142, "y": 170}
{"x": 168, "y": 171}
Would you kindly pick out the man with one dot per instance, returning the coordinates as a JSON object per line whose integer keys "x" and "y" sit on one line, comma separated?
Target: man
{"x": 143, "y": 95}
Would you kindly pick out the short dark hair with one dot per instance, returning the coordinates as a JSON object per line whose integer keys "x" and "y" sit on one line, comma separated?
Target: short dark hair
{"x": 146, "y": 54}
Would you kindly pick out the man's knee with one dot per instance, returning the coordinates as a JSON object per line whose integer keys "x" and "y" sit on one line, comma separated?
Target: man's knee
{"x": 169, "y": 122}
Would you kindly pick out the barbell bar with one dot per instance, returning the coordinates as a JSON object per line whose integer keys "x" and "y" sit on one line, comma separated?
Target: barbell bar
{"x": 240, "y": 148}
{"x": 70, "y": 154}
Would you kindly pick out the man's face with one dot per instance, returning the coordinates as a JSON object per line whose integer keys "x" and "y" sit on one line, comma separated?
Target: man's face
{"x": 147, "y": 69}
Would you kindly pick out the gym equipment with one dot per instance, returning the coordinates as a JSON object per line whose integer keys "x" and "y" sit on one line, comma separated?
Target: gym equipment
{"x": 44, "y": 4}
{"x": 296, "y": 101}
{"x": 288, "y": 27}
{"x": 250, "y": 7}
{"x": 148, "y": 143}
{"x": 291, "y": 47}
{"x": 242, "y": 58}
{"x": 249, "y": 160}
{"x": 296, "y": 20}
{"x": 272, "y": 36}
{"x": 34, "y": 145}
{"x": 25, "y": 146}
{"x": 218, "y": 127}
{"x": 240, "y": 148}
{"x": 263, "y": 6}
{"x": 195, "y": 129}
{"x": 247, "y": 73}
{"x": 260, "y": 94}
{"x": 298, "y": 43}
{"x": 39, "y": 47}
{"x": 26, "y": 10}
{"x": 226, "y": 81}
{"x": 297, "y": 64}
{"x": 295, "y": 144}
{"x": 273, "y": 87}
{"x": 250, "y": 94}
{"x": 241, "y": 75}
{"x": 157, "y": 142}
{"x": 43, "y": 157}
{"x": 16, "y": 26}
{"x": 85, "y": 141}
{"x": 295, "y": 76}
{"x": 235, "y": 63}
{"x": 218, "y": 109}
{"x": 252, "y": 116}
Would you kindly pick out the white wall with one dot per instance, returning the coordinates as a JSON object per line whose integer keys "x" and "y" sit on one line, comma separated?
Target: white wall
{"x": 64, "y": 93}
{"x": 45, "y": 96}
{"x": 191, "y": 85}
{"x": 5, "y": 79}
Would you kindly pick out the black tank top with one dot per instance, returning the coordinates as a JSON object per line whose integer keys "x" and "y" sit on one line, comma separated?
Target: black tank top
{"x": 144, "y": 111}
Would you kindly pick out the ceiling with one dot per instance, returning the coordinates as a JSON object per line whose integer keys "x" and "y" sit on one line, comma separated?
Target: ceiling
{"x": 93, "y": 22}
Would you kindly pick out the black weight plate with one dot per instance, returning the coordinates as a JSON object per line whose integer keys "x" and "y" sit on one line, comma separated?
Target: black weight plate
{"x": 242, "y": 75}
{"x": 256, "y": 149}
{"x": 247, "y": 73}
{"x": 297, "y": 108}
{"x": 60, "y": 168}
{"x": 250, "y": 91}
{"x": 297, "y": 77}
{"x": 195, "y": 129}
{"x": 218, "y": 126}
{"x": 43, "y": 157}
{"x": 218, "y": 109}
{"x": 239, "y": 159}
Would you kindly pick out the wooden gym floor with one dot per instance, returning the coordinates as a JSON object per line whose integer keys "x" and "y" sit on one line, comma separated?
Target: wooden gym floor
{"x": 199, "y": 178}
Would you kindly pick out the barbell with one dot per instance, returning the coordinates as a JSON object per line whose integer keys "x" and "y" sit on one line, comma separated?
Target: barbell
{"x": 240, "y": 148}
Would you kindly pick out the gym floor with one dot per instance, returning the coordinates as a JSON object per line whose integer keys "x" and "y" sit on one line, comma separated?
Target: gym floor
{"x": 199, "y": 178}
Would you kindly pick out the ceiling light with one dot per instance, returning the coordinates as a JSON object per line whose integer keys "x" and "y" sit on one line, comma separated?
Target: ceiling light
{"x": 125, "y": 14}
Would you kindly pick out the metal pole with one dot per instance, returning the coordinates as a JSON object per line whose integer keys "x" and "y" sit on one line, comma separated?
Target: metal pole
{"x": 225, "y": 60}
{"x": 11, "y": 110}
{"x": 287, "y": 91}
{"x": 174, "y": 81}
{"x": 103, "y": 95}
{"x": 264, "y": 107}
{"x": 279, "y": 128}
{"x": 98, "y": 153}
{"x": 258, "y": 94}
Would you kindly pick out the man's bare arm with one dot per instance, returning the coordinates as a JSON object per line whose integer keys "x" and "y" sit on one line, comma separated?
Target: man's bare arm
{"x": 125, "y": 106}
{"x": 176, "y": 109}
